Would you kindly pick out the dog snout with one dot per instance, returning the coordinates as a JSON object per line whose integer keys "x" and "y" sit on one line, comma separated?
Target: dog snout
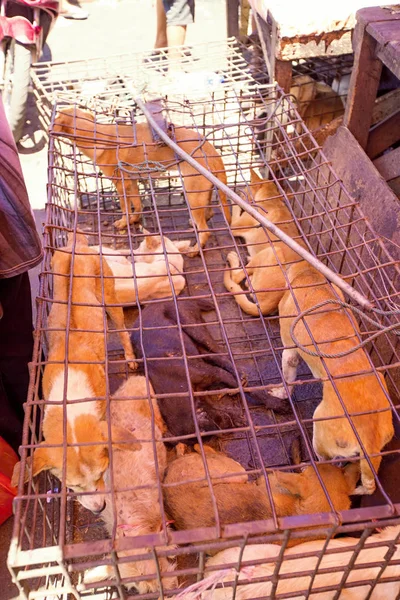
{"x": 100, "y": 510}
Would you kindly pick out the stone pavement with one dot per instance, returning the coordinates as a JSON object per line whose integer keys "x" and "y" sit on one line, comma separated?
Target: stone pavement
{"x": 113, "y": 27}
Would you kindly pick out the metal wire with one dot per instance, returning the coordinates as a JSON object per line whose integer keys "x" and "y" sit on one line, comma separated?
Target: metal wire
{"x": 333, "y": 227}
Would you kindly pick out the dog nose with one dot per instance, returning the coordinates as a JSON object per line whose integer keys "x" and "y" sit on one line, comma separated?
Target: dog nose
{"x": 97, "y": 512}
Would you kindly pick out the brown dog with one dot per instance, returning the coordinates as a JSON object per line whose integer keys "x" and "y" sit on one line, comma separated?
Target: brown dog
{"x": 190, "y": 504}
{"x": 109, "y": 145}
{"x": 265, "y": 273}
{"x": 316, "y": 101}
{"x": 85, "y": 374}
{"x": 334, "y": 331}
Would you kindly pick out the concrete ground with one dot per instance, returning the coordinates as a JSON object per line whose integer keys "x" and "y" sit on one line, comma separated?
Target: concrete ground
{"x": 113, "y": 26}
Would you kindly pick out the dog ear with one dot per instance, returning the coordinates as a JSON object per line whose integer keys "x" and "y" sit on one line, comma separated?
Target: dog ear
{"x": 41, "y": 462}
{"x": 119, "y": 435}
{"x": 289, "y": 483}
{"x": 153, "y": 242}
{"x": 254, "y": 177}
{"x": 182, "y": 245}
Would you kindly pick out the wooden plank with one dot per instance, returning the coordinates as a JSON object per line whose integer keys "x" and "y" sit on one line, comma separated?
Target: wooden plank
{"x": 390, "y": 56}
{"x": 384, "y": 135}
{"x": 377, "y": 13}
{"x": 385, "y": 31}
{"x": 388, "y": 165}
{"x": 232, "y": 18}
{"x": 283, "y": 74}
{"x": 385, "y": 106}
{"x": 364, "y": 83}
{"x": 364, "y": 182}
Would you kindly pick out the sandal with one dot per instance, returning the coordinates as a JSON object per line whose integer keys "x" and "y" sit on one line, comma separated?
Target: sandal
{"x": 75, "y": 12}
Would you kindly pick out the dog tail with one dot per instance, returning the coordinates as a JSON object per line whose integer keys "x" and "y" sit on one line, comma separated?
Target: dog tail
{"x": 245, "y": 304}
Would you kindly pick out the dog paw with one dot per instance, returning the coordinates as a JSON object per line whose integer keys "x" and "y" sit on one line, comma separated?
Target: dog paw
{"x": 120, "y": 223}
{"x": 96, "y": 574}
{"x": 364, "y": 490}
{"x": 193, "y": 251}
{"x": 279, "y": 392}
{"x": 131, "y": 360}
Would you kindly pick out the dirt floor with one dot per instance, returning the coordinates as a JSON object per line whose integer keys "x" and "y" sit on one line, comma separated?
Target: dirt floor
{"x": 113, "y": 27}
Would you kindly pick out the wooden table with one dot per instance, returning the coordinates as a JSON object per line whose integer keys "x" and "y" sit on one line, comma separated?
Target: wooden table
{"x": 353, "y": 151}
{"x": 376, "y": 42}
{"x": 295, "y": 30}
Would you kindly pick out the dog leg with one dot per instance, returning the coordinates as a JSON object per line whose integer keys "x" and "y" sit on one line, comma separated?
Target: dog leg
{"x": 236, "y": 214}
{"x": 237, "y": 273}
{"x": 368, "y": 483}
{"x": 199, "y": 217}
{"x": 117, "y": 316}
{"x": 290, "y": 362}
{"x": 128, "y": 193}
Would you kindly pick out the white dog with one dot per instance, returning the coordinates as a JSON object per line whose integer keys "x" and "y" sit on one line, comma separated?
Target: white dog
{"x": 151, "y": 268}
{"x": 135, "y": 483}
{"x": 297, "y": 585}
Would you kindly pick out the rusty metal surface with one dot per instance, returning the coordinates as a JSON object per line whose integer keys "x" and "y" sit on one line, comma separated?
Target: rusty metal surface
{"x": 53, "y": 543}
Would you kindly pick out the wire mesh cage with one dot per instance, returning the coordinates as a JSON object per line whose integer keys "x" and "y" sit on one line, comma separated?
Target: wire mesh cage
{"x": 204, "y": 68}
{"x": 206, "y": 457}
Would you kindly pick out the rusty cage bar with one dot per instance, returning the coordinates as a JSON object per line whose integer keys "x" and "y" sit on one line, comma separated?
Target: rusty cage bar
{"x": 55, "y": 540}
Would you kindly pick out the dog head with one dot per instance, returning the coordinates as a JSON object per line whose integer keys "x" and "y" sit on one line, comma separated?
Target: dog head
{"x": 151, "y": 248}
{"x": 85, "y": 464}
{"x": 263, "y": 189}
{"x": 72, "y": 121}
{"x": 308, "y": 492}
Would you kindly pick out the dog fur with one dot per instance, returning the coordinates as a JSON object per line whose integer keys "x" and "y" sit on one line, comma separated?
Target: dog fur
{"x": 317, "y": 103}
{"x": 293, "y": 587}
{"x": 238, "y": 500}
{"x": 334, "y": 330}
{"x": 109, "y": 144}
{"x": 85, "y": 376}
{"x": 135, "y": 479}
{"x": 151, "y": 269}
{"x": 209, "y": 372}
{"x": 266, "y": 276}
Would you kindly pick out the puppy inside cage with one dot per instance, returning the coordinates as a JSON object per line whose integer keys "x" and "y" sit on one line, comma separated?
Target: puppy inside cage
{"x": 215, "y": 452}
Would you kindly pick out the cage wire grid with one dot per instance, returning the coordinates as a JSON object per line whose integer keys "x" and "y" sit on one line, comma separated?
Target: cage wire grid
{"x": 55, "y": 540}
{"x": 214, "y": 67}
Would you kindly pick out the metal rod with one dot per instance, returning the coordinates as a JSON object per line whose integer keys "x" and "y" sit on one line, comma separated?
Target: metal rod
{"x": 310, "y": 258}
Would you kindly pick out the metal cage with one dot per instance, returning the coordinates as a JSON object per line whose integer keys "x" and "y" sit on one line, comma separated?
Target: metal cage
{"x": 55, "y": 541}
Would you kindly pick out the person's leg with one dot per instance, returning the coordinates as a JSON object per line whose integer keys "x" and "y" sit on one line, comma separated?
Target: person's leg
{"x": 161, "y": 35}
{"x": 176, "y": 35}
{"x": 179, "y": 14}
{"x": 16, "y": 347}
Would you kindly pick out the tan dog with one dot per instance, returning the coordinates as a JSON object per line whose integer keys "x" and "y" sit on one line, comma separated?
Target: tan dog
{"x": 334, "y": 331}
{"x": 317, "y": 103}
{"x": 265, "y": 273}
{"x": 110, "y": 145}
{"x": 190, "y": 504}
{"x": 135, "y": 479}
{"x": 85, "y": 374}
{"x": 301, "y": 562}
{"x": 152, "y": 269}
